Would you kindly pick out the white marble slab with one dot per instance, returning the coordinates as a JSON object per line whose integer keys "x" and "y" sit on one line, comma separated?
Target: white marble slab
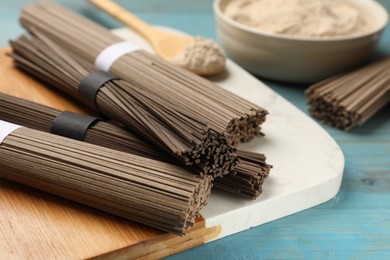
{"x": 308, "y": 164}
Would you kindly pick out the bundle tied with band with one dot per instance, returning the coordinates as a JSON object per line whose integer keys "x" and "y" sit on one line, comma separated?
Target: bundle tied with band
{"x": 151, "y": 192}
{"x": 227, "y": 116}
{"x": 246, "y": 181}
{"x": 183, "y": 135}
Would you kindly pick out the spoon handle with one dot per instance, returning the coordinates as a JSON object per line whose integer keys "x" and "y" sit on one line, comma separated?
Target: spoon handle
{"x": 128, "y": 19}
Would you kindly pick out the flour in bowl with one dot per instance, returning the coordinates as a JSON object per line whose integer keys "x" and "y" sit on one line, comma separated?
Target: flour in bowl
{"x": 313, "y": 18}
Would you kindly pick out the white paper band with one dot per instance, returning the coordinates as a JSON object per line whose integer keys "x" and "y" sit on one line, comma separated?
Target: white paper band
{"x": 6, "y": 128}
{"x": 113, "y": 52}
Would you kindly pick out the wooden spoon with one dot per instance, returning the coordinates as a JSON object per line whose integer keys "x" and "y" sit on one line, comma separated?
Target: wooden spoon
{"x": 170, "y": 46}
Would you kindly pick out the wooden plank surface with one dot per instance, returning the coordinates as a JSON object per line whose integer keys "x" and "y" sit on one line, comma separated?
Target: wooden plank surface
{"x": 38, "y": 225}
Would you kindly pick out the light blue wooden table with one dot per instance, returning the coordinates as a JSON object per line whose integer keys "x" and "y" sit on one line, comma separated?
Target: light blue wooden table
{"x": 353, "y": 225}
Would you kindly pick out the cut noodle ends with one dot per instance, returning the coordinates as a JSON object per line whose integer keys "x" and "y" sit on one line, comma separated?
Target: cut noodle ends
{"x": 246, "y": 181}
{"x": 228, "y": 113}
{"x": 147, "y": 191}
{"x": 349, "y": 100}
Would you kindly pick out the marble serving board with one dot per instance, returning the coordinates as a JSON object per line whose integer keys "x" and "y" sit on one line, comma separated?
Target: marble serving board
{"x": 307, "y": 163}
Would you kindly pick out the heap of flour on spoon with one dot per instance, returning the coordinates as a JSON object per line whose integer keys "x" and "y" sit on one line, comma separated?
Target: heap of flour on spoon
{"x": 202, "y": 55}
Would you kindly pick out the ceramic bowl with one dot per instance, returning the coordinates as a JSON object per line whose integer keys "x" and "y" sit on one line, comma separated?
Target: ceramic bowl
{"x": 295, "y": 58}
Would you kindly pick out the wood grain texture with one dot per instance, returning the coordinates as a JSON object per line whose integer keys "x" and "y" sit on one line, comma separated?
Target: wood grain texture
{"x": 15, "y": 83}
{"x": 353, "y": 225}
{"x": 38, "y": 225}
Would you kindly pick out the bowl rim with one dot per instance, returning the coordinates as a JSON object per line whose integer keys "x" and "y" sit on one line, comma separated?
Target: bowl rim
{"x": 380, "y": 27}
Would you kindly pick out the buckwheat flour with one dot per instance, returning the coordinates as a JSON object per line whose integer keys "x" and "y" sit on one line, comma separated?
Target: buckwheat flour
{"x": 314, "y": 18}
{"x": 202, "y": 55}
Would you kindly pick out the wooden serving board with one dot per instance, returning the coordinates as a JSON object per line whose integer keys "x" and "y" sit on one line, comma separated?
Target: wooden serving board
{"x": 38, "y": 225}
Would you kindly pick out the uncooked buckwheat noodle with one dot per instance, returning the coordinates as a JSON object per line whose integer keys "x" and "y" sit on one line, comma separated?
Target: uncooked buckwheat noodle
{"x": 181, "y": 134}
{"x": 147, "y": 191}
{"x": 227, "y": 112}
{"x": 247, "y": 180}
{"x": 349, "y": 100}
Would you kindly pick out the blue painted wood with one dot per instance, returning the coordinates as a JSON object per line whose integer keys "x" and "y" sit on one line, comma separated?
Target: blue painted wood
{"x": 353, "y": 225}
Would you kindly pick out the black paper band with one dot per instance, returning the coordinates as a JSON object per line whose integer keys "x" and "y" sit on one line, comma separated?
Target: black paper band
{"x": 91, "y": 84}
{"x": 72, "y": 125}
